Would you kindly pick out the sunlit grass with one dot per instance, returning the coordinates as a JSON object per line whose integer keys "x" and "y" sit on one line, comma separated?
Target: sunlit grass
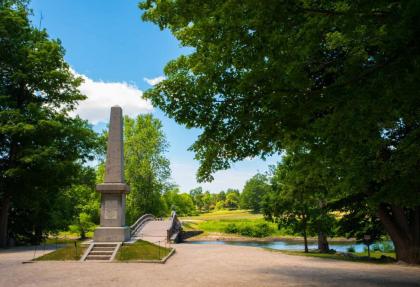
{"x": 69, "y": 252}
{"x": 142, "y": 250}
{"x": 218, "y": 221}
{"x": 225, "y": 214}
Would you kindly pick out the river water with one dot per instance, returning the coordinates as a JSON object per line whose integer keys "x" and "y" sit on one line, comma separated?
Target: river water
{"x": 288, "y": 245}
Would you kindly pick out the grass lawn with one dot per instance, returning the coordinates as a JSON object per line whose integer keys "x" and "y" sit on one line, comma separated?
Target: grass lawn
{"x": 375, "y": 256}
{"x": 68, "y": 252}
{"x": 142, "y": 250}
{"x": 218, "y": 221}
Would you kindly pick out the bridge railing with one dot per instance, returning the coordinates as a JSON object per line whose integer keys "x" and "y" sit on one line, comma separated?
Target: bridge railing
{"x": 174, "y": 226}
{"x": 140, "y": 222}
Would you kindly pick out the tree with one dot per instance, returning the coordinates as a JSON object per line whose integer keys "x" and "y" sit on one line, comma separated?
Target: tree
{"x": 221, "y": 196}
{"x": 146, "y": 168}
{"x": 337, "y": 77}
{"x": 207, "y": 200}
{"x": 357, "y": 219}
{"x": 197, "y": 197}
{"x": 42, "y": 149}
{"x": 182, "y": 203}
{"x": 297, "y": 201}
{"x": 253, "y": 191}
{"x": 232, "y": 201}
{"x": 82, "y": 203}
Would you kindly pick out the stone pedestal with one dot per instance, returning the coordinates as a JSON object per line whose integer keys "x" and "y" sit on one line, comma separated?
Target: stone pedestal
{"x": 112, "y": 213}
{"x": 112, "y": 234}
{"x": 113, "y": 190}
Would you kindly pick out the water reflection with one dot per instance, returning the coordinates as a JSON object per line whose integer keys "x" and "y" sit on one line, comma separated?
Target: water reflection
{"x": 289, "y": 245}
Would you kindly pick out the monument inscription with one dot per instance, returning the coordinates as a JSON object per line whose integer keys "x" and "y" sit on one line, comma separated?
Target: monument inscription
{"x": 111, "y": 209}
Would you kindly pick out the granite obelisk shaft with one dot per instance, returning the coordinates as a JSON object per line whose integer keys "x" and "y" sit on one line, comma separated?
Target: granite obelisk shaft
{"x": 114, "y": 172}
{"x": 114, "y": 189}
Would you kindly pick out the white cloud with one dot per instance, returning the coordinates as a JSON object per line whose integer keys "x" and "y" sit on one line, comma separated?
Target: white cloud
{"x": 154, "y": 81}
{"x": 101, "y": 96}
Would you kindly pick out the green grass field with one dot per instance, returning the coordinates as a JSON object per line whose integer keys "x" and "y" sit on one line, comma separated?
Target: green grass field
{"x": 142, "y": 250}
{"x": 68, "y": 252}
{"x": 221, "y": 221}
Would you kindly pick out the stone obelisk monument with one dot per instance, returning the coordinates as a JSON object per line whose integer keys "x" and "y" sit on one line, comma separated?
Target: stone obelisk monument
{"x": 114, "y": 189}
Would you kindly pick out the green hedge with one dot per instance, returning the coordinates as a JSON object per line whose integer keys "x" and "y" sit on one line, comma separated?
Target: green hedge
{"x": 257, "y": 230}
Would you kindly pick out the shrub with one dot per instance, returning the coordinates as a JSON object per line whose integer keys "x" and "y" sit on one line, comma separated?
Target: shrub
{"x": 351, "y": 249}
{"x": 262, "y": 230}
{"x": 376, "y": 247}
{"x": 388, "y": 247}
{"x": 231, "y": 228}
{"x": 246, "y": 231}
{"x": 251, "y": 230}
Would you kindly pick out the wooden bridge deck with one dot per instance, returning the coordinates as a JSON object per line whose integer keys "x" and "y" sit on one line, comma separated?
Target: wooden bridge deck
{"x": 154, "y": 231}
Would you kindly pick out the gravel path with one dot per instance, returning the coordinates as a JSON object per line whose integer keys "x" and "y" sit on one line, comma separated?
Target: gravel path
{"x": 205, "y": 265}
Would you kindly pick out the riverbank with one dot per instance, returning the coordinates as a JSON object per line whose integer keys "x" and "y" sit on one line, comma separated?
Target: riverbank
{"x": 212, "y": 226}
{"x": 220, "y": 236}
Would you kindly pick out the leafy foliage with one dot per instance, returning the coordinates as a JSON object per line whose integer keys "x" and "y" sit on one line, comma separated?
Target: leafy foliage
{"x": 146, "y": 167}
{"x": 253, "y": 192}
{"x": 258, "y": 230}
{"x": 182, "y": 203}
{"x": 42, "y": 149}
{"x": 337, "y": 78}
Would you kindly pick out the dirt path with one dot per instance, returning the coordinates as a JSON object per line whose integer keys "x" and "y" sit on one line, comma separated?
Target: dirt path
{"x": 206, "y": 265}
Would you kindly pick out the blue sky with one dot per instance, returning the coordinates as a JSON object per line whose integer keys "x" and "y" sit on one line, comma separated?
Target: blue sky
{"x": 118, "y": 54}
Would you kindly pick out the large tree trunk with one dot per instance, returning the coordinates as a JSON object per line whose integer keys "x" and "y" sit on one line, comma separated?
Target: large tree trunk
{"x": 404, "y": 233}
{"x": 323, "y": 245}
{"x": 4, "y": 219}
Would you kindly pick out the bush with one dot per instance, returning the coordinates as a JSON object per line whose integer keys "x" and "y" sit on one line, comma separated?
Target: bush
{"x": 231, "y": 228}
{"x": 388, "y": 247}
{"x": 376, "y": 247}
{"x": 262, "y": 230}
{"x": 246, "y": 231}
{"x": 258, "y": 230}
{"x": 351, "y": 249}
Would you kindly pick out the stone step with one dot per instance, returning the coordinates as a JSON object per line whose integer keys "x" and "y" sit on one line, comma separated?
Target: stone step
{"x": 101, "y": 251}
{"x": 113, "y": 245}
{"x": 94, "y": 252}
{"x": 98, "y": 257}
{"x": 103, "y": 248}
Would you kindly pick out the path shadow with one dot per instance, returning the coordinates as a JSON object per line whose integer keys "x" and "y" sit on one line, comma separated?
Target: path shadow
{"x": 325, "y": 276}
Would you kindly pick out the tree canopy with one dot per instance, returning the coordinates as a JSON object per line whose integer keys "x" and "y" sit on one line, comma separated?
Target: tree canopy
{"x": 254, "y": 190}
{"x": 147, "y": 169}
{"x": 338, "y": 78}
{"x": 42, "y": 148}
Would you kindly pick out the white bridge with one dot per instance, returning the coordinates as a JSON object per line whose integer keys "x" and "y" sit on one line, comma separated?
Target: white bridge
{"x": 156, "y": 230}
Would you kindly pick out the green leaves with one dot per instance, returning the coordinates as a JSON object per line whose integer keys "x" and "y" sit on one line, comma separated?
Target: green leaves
{"x": 41, "y": 147}
{"x": 146, "y": 168}
{"x": 263, "y": 77}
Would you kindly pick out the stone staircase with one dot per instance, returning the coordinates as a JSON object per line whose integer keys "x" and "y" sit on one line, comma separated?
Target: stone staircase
{"x": 104, "y": 251}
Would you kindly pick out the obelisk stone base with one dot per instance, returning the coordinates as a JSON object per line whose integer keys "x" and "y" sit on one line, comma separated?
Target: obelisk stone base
{"x": 112, "y": 234}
